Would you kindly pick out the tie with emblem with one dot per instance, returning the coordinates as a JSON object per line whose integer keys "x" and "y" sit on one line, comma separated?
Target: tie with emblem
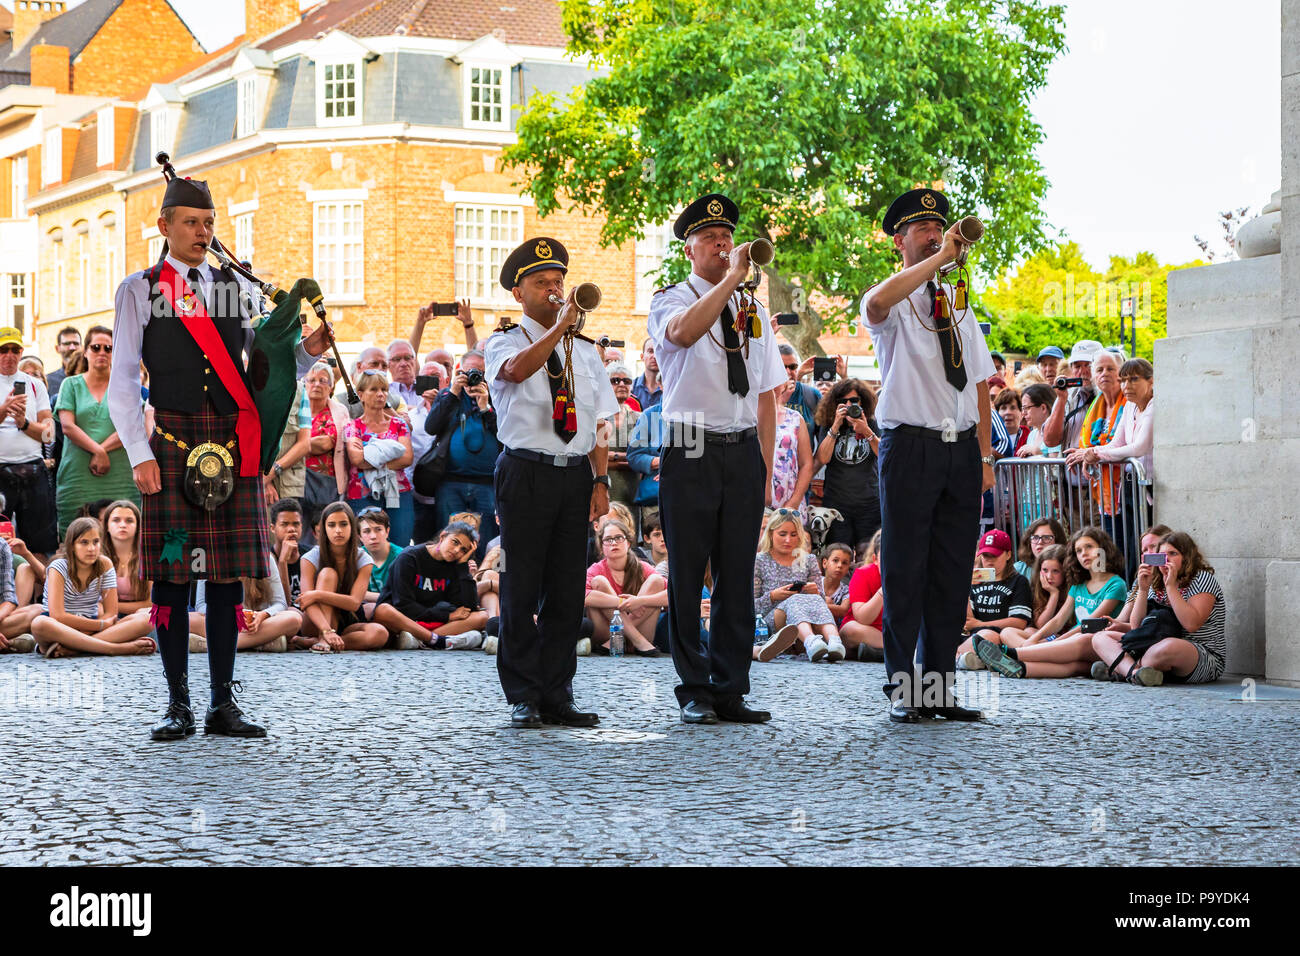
{"x": 737, "y": 376}
{"x": 195, "y": 280}
{"x": 954, "y": 369}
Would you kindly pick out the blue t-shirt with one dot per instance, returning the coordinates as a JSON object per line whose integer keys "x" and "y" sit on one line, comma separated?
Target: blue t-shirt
{"x": 1085, "y": 602}
{"x": 474, "y": 450}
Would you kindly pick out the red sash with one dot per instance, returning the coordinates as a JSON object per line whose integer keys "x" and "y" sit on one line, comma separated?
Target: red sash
{"x": 188, "y": 306}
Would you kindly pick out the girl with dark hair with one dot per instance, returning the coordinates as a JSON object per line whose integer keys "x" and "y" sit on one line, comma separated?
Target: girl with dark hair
{"x": 849, "y": 449}
{"x": 335, "y": 575}
{"x": 430, "y": 600}
{"x": 81, "y": 602}
{"x": 1038, "y": 535}
{"x": 863, "y": 628}
{"x": 122, "y": 519}
{"x": 1187, "y": 587}
{"x": 837, "y": 570}
{"x": 620, "y": 581}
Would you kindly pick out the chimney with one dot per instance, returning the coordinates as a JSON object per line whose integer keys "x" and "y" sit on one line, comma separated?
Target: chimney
{"x": 30, "y": 14}
{"x": 51, "y": 66}
{"x": 264, "y": 17}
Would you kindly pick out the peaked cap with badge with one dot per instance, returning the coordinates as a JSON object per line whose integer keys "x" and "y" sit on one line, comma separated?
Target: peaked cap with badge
{"x": 714, "y": 209}
{"x": 913, "y": 206}
{"x": 533, "y": 255}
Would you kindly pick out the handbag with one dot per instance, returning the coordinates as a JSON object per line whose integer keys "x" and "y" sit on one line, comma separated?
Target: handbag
{"x": 432, "y": 466}
{"x": 1159, "y": 623}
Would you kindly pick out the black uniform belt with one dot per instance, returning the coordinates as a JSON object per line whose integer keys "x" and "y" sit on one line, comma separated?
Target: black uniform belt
{"x": 934, "y": 433}
{"x": 676, "y": 434}
{"x": 558, "y": 461}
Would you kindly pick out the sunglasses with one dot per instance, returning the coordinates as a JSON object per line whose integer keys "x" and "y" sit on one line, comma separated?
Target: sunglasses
{"x": 620, "y": 381}
{"x": 100, "y": 348}
{"x": 792, "y": 368}
{"x": 372, "y": 510}
{"x": 785, "y": 512}
{"x": 11, "y": 350}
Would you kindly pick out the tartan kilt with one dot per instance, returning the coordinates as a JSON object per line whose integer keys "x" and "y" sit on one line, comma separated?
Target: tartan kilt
{"x": 234, "y": 537}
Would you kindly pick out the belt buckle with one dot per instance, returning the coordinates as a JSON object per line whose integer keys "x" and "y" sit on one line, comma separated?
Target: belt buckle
{"x": 559, "y": 461}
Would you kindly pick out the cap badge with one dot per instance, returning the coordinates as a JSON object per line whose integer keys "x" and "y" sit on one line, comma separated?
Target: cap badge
{"x": 715, "y": 208}
{"x": 927, "y": 201}
{"x": 543, "y": 250}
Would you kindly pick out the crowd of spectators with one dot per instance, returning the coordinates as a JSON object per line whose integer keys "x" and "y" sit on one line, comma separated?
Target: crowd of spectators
{"x": 384, "y": 532}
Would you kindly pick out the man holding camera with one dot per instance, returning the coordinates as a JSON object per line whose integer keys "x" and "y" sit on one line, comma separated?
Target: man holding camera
{"x": 936, "y": 457}
{"x": 463, "y": 422}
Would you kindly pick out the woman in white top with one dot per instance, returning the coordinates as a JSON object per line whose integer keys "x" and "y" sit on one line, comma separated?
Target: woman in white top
{"x": 1134, "y": 436}
{"x": 81, "y": 602}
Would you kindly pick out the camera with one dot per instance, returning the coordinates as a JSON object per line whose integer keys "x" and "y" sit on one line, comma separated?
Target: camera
{"x": 1064, "y": 382}
{"x": 473, "y": 377}
{"x": 445, "y": 308}
{"x": 424, "y": 383}
{"x": 853, "y": 411}
{"x": 331, "y": 361}
{"x": 605, "y": 342}
{"x": 787, "y": 318}
{"x": 823, "y": 369}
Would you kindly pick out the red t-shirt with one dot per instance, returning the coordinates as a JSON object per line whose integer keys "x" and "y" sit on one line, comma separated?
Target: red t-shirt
{"x": 602, "y": 567}
{"x": 862, "y": 588}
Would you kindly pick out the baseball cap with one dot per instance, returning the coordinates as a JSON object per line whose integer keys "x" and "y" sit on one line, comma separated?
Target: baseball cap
{"x": 1085, "y": 350}
{"x": 10, "y": 336}
{"x": 1051, "y": 352}
{"x": 995, "y": 542}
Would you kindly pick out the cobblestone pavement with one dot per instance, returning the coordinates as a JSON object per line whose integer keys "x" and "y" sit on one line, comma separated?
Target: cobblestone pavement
{"x": 407, "y": 758}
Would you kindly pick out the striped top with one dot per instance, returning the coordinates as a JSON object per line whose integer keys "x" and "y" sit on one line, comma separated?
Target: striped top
{"x": 1209, "y": 635}
{"x": 81, "y": 603}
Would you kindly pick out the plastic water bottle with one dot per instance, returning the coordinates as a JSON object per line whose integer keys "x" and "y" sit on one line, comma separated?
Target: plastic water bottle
{"x": 616, "y": 635}
{"x": 760, "y": 630}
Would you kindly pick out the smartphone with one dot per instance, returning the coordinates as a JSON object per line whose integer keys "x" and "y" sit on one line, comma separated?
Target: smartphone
{"x": 425, "y": 382}
{"x": 6, "y": 529}
{"x": 986, "y": 327}
{"x": 1093, "y": 625}
{"x": 986, "y": 575}
{"x": 1157, "y": 559}
{"x": 445, "y": 308}
{"x": 20, "y": 388}
{"x": 1019, "y": 366}
{"x": 823, "y": 369}
{"x": 787, "y": 318}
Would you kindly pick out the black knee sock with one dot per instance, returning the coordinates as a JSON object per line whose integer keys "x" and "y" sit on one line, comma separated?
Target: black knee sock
{"x": 172, "y": 601}
{"x": 223, "y": 636}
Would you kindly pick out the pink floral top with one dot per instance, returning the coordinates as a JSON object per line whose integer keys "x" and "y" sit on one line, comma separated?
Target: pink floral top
{"x": 323, "y": 424}
{"x": 397, "y": 429}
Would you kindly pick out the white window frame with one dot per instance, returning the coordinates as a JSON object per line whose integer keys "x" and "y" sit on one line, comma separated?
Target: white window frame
{"x": 478, "y": 258}
{"x": 244, "y": 236}
{"x": 18, "y": 187}
{"x": 651, "y": 246}
{"x": 338, "y": 261}
{"x": 105, "y": 155}
{"x": 108, "y": 242}
{"x": 468, "y": 70}
{"x": 13, "y": 300}
{"x": 52, "y": 157}
{"x": 328, "y": 68}
{"x": 247, "y": 106}
{"x": 82, "y": 232}
{"x": 154, "y": 242}
{"x": 162, "y": 130}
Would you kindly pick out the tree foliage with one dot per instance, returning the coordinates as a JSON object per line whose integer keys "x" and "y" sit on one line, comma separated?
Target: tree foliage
{"x": 1056, "y": 298}
{"x": 812, "y": 114}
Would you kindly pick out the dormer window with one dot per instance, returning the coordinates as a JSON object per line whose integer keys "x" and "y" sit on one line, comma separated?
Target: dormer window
{"x": 162, "y": 129}
{"x": 247, "y": 123}
{"x": 488, "y": 100}
{"x": 340, "y": 93}
{"x": 104, "y": 137}
{"x": 52, "y": 157}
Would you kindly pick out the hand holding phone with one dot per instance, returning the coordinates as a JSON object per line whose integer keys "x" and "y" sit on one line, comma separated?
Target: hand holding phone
{"x": 1157, "y": 559}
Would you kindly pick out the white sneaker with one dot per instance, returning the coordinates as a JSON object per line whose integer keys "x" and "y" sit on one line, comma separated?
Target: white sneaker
{"x": 465, "y": 642}
{"x": 584, "y": 647}
{"x": 276, "y": 646}
{"x": 406, "y": 641}
{"x": 835, "y": 649}
{"x": 970, "y": 661}
{"x": 816, "y": 649}
{"x": 489, "y": 645}
{"x": 778, "y": 643}
{"x": 198, "y": 644}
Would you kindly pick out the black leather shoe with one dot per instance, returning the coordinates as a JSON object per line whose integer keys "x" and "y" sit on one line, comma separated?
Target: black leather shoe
{"x": 694, "y": 712}
{"x": 525, "y": 716}
{"x": 568, "y": 715}
{"x": 178, "y": 721}
{"x": 900, "y": 713}
{"x": 227, "y": 720}
{"x": 738, "y": 712}
{"x": 953, "y": 712}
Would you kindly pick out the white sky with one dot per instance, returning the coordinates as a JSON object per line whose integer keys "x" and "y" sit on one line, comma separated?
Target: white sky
{"x": 1161, "y": 114}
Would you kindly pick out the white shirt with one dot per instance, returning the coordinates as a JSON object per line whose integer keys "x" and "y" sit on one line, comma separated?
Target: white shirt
{"x": 16, "y": 447}
{"x": 524, "y": 410}
{"x": 914, "y": 390}
{"x": 131, "y": 305}
{"x": 695, "y": 379}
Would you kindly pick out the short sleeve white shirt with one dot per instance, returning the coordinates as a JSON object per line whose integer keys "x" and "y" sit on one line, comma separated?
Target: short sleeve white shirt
{"x": 695, "y": 378}
{"x": 16, "y": 447}
{"x": 914, "y": 390}
{"x": 524, "y": 410}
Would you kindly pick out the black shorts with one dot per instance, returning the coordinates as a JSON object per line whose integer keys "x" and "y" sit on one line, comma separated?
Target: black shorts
{"x": 29, "y": 501}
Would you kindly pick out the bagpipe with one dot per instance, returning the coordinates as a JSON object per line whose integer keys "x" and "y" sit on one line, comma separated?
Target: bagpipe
{"x": 273, "y": 366}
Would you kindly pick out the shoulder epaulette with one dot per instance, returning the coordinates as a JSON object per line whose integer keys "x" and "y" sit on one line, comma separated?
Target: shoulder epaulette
{"x": 665, "y": 288}
{"x": 505, "y": 326}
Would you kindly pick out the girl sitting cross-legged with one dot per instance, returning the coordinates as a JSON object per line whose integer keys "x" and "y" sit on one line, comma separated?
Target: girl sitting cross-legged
{"x": 622, "y": 582}
{"x": 122, "y": 520}
{"x": 335, "y": 575}
{"x": 863, "y": 627}
{"x": 1095, "y": 590}
{"x": 1047, "y": 590}
{"x": 429, "y": 595}
{"x": 268, "y": 622}
{"x": 788, "y": 593}
{"x": 81, "y": 602}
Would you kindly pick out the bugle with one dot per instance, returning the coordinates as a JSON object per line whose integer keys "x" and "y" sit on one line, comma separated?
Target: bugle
{"x": 586, "y": 296}
{"x": 970, "y": 230}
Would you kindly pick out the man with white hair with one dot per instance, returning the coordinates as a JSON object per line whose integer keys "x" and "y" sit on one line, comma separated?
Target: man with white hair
{"x": 1066, "y": 420}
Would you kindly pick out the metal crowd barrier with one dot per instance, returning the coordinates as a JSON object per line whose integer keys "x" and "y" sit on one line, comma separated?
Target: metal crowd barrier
{"x": 1078, "y": 496}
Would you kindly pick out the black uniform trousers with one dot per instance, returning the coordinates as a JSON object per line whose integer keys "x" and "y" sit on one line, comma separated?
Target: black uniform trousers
{"x": 930, "y": 505}
{"x": 542, "y": 510}
{"x": 711, "y": 509}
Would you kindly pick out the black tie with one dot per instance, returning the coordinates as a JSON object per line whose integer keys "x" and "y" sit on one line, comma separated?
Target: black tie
{"x": 737, "y": 377}
{"x": 197, "y": 288}
{"x": 555, "y": 378}
{"x": 954, "y": 368}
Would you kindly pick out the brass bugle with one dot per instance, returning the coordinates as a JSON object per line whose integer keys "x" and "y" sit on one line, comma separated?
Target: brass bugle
{"x": 761, "y": 252}
{"x": 971, "y": 230}
{"x": 586, "y": 296}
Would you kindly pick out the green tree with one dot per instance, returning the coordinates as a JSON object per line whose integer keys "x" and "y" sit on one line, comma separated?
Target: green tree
{"x": 812, "y": 115}
{"x": 1056, "y": 297}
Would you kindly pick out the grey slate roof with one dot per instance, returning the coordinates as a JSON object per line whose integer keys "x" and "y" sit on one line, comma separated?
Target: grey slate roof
{"x": 74, "y": 28}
